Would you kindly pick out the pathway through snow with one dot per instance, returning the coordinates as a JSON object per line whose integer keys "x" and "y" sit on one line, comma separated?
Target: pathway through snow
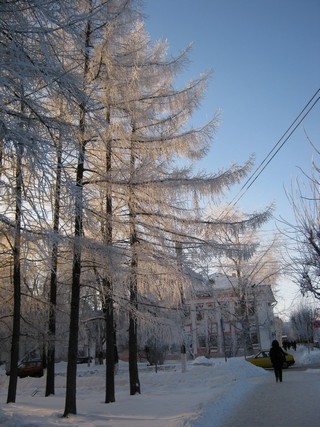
{"x": 292, "y": 403}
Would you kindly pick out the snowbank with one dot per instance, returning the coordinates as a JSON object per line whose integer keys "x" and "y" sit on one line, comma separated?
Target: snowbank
{"x": 170, "y": 398}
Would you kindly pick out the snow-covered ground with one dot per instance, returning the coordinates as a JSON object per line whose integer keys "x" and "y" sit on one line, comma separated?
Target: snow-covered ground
{"x": 208, "y": 390}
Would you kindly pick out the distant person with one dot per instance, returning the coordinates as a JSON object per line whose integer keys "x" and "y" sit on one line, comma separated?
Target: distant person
{"x": 277, "y": 356}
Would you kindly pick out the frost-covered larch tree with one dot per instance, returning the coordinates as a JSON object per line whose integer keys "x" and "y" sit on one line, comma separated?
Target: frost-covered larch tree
{"x": 152, "y": 135}
{"x": 27, "y": 75}
{"x": 109, "y": 71}
{"x": 92, "y": 30}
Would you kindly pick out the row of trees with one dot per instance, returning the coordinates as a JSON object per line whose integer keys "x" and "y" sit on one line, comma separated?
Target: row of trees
{"x": 97, "y": 188}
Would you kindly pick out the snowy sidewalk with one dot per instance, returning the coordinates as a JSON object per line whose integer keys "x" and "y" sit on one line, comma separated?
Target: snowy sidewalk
{"x": 211, "y": 393}
{"x": 292, "y": 403}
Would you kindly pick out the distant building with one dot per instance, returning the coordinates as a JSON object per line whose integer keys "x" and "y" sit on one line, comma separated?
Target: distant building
{"x": 224, "y": 321}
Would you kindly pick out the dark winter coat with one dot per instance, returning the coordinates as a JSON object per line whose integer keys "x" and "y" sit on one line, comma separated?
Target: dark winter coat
{"x": 277, "y": 355}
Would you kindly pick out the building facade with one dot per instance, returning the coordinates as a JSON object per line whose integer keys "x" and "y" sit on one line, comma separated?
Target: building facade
{"x": 225, "y": 320}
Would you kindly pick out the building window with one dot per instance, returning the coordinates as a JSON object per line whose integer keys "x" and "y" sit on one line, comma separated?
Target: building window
{"x": 251, "y": 308}
{"x": 254, "y": 338}
{"x": 239, "y": 309}
{"x": 213, "y": 341}
{"x": 212, "y": 327}
{"x": 199, "y": 316}
{"x": 201, "y": 341}
{"x": 226, "y": 327}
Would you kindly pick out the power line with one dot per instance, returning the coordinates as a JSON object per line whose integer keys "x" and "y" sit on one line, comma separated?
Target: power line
{"x": 274, "y": 151}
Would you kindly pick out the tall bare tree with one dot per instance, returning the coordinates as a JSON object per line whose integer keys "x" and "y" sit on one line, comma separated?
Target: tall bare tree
{"x": 304, "y": 234}
{"x": 246, "y": 255}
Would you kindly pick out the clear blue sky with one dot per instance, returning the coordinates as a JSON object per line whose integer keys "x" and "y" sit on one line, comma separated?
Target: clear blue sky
{"x": 265, "y": 57}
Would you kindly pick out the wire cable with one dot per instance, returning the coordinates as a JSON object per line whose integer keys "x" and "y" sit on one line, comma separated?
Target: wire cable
{"x": 274, "y": 151}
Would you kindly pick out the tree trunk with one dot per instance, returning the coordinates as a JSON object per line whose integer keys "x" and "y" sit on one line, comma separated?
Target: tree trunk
{"x": 53, "y": 280}
{"x": 133, "y": 337}
{"x": 70, "y": 403}
{"x": 108, "y": 311}
{"x": 110, "y": 344}
{"x": 15, "y": 343}
{"x": 133, "y": 358}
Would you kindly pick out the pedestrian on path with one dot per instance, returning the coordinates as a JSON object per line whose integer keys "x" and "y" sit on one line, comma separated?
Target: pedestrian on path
{"x": 277, "y": 356}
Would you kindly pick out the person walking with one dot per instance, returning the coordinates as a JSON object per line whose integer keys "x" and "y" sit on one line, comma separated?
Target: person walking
{"x": 277, "y": 356}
